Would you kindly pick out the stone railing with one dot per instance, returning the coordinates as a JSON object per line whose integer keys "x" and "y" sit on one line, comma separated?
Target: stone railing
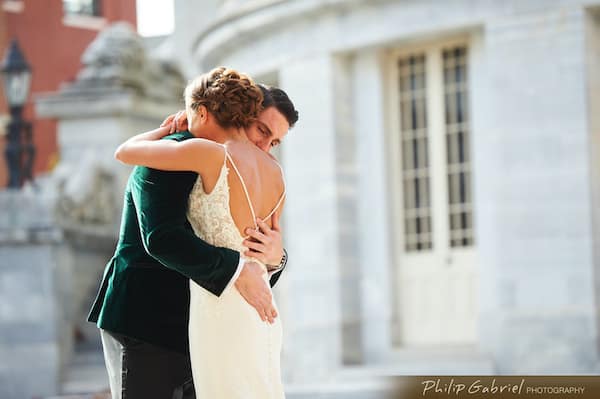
{"x": 27, "y": 215}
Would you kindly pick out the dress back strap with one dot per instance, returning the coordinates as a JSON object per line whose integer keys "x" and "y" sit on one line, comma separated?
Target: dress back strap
{"x": 281, "y": 198}
{"x": 243, "y": 186}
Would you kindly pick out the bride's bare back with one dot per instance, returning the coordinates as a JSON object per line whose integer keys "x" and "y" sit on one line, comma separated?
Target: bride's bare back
{"x": 255, "y": 181}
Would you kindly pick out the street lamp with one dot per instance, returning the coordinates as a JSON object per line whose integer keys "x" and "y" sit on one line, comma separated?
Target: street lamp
{"x": 20, "y": 151}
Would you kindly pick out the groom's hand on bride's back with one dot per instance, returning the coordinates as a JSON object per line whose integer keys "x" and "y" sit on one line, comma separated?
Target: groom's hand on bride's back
{"x": 255, "y": 290}
{"x": 265, "y": 244}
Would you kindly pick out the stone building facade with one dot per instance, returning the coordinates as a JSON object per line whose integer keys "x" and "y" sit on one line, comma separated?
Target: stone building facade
{"x": 448, "y": 219}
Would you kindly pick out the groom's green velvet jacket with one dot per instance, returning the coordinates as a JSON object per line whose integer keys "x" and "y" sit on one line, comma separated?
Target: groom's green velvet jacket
{"x": 145, "y": 289}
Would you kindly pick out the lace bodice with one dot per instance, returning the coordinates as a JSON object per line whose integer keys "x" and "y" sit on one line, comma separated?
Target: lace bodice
{"x": 210, "y": 216}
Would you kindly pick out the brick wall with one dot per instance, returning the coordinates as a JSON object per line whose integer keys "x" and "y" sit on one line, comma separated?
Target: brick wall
{"x": 53, "y": 46}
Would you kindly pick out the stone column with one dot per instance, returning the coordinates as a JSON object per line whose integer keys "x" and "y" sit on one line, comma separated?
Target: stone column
{"x": 374, "y": 213}
{"x": 348, "y": 202}
{"x": 312, "y": 329}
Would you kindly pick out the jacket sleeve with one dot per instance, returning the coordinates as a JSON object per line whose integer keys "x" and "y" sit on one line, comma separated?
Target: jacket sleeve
{"x": 161, "y": 199}
{"x": 275, "y": 276}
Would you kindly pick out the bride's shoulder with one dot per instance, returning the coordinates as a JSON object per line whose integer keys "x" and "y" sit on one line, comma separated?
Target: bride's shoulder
{"x": 203, "y": 143}
{"x": 274, "y": 162}
{"x": 205, "y": 146}
{"x": 266, "y": 159}
{"x": 202, "y": 153}
{"x": 275, "y": 171}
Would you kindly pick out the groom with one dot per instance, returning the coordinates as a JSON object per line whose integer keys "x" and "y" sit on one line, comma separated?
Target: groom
{"x": 142, "y": 307}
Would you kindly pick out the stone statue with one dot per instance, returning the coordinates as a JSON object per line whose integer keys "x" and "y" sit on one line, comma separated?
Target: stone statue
{"x": 85, "y": 195}
{"x": 117, "y": 58}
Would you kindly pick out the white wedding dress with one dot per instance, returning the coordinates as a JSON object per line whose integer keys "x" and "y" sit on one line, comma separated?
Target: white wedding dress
{"x": 234, "y": 354}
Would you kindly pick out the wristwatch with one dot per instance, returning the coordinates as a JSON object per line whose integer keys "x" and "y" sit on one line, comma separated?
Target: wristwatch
{"x": 281, "y": 264}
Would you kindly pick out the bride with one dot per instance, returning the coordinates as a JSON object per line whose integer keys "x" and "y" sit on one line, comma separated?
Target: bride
{"x": 234, "y": 352}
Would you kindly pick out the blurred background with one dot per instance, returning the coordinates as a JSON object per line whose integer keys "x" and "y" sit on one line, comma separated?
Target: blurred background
{"x": 443, "y": 213}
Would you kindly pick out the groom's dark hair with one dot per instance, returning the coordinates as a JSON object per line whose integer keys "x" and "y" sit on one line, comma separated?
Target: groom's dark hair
{"x": 275, "y": 97}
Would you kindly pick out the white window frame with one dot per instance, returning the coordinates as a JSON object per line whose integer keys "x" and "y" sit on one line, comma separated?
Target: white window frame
{"x": 95, "y": 3}
{"x": 14, "y": 6}
{"x": 435, "y": 124}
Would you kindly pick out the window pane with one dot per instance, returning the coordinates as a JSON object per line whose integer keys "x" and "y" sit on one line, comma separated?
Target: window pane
{"x": 415, "y": 157}
{"x": 457, "y": 146}
{"x": 82, "y": 7}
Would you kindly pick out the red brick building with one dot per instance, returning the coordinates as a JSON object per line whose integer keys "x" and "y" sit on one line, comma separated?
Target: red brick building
{"x": 52, "y": 35}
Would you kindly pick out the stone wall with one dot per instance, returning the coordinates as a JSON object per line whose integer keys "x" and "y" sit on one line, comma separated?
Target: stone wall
{"x": 34, "y": 333}
{"x": 532, "y": 190}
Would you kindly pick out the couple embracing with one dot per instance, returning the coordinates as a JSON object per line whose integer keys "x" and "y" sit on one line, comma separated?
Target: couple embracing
{"x": 185, "y": 306}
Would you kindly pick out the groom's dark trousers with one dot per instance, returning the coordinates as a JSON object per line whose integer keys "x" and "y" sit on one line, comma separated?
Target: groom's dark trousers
{"x": 142, "y": 306}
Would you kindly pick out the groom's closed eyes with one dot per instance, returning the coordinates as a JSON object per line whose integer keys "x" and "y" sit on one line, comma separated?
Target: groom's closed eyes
{"x": 264, "y": 129}
{"x": 267, "y": 133}
{"x": 269, "y": 129}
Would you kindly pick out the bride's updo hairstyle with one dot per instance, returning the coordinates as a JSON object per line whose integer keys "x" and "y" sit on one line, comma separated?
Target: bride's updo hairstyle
{"x": 230, "y": 96}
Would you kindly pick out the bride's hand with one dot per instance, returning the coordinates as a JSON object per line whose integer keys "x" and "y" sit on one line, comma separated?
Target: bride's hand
{"x": 256, "y": 291}
{"x": 176, "y": 122}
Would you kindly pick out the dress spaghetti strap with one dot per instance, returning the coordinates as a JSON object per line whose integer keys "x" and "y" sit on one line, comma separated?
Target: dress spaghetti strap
{"x": 228, "y": 157}
{"x": 280, "y": 198}
{"x": 243, "y": 186}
